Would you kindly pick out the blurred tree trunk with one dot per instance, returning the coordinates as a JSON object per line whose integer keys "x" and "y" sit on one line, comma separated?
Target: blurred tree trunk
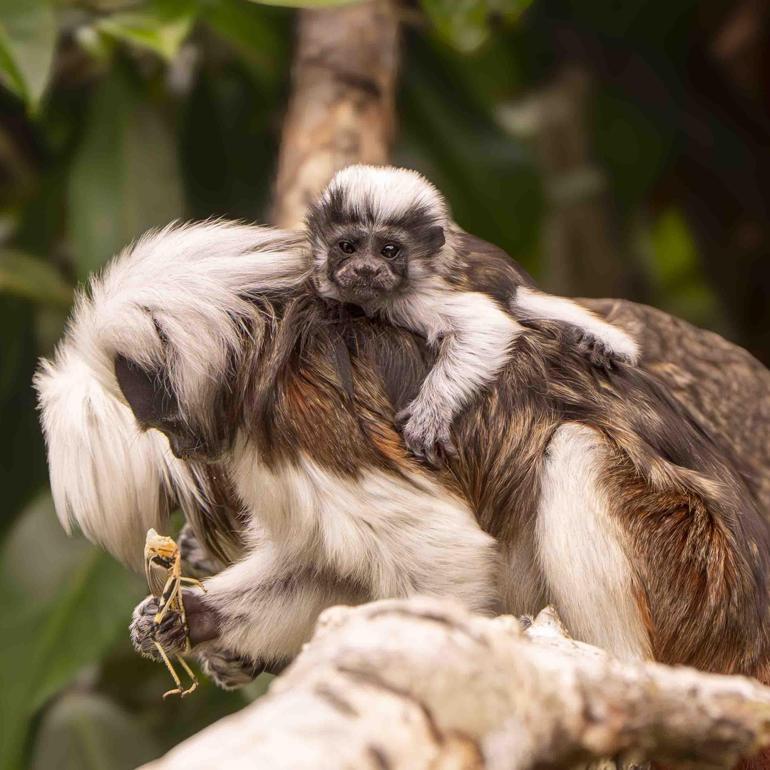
{"x": 581, "y": 256}
{"x": 714, "y": 103}
{"x": 342, "y": 106}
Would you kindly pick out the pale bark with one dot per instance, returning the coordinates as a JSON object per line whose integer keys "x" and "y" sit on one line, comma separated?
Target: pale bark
{"x": 423, "y": 684}
{"x": 342, "y": 105}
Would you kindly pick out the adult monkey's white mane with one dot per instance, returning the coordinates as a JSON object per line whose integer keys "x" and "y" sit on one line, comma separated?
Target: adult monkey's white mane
{"x": 178, "y": 301}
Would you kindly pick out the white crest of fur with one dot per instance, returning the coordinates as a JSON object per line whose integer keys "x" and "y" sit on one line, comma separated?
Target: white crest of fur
{"x": 389, "y": 192}
{"x": 105, "y": 474}
{"x": 190, "y": 284}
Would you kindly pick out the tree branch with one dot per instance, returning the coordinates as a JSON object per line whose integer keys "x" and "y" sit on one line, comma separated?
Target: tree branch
{"x": 423, "y": 684}
{"x": 342, "y": 105}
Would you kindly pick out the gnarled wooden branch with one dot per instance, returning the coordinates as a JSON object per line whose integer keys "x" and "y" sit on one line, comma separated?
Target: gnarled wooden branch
{"x": 422, "y": 683}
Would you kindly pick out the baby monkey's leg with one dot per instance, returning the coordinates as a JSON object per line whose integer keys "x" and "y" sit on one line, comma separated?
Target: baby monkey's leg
{"x": 603, "y": 343}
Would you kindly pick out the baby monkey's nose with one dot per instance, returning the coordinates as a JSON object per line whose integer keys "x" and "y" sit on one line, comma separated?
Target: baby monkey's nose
{"x": 367, "y": 271}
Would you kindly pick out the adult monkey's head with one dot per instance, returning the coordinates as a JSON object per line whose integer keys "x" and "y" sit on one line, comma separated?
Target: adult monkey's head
{"x": 177, "y": 312}
{"x": 151, "y": 349}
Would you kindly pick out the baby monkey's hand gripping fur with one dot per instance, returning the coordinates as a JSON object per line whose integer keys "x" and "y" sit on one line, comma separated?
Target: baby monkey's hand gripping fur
{"x": 382, "y": 239}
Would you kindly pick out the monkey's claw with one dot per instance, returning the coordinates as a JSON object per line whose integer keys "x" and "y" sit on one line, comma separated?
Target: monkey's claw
{"x": 228, "y": 670}
{"x": 427, "y": 434}
{"x": 597, "y": 351}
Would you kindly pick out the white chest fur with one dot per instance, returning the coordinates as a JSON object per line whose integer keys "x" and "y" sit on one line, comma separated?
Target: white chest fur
{"x": 397, "y": 536}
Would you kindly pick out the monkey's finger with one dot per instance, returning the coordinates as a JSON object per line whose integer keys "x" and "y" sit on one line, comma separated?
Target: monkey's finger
{"x": 148, "y": 606}
{"x": 448, "y": 447}
{"x": 418, "y": 449}
{"x": 609, "y": 363}
{"x": 402, "y": 417}
{"x": 171, "y": 620}
{"x": 433, "y": 456}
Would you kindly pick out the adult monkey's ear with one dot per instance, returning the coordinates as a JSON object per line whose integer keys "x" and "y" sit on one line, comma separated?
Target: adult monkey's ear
{"x": 436, "y": 237}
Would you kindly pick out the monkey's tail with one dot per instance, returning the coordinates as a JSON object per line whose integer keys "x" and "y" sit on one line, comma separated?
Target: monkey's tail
{"x": 109, "y": 478}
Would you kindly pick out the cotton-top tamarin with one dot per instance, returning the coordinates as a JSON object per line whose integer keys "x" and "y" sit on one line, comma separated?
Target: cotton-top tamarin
{"x": 383, "y": 239}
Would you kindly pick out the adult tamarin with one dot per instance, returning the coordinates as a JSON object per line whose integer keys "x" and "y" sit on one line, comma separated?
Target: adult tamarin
{"x": 591, "y": 490}
{"x": 382, "y": 239}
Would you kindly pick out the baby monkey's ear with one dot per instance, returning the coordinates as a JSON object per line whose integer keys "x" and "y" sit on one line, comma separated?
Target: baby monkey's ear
{"x": 436, "y": 238}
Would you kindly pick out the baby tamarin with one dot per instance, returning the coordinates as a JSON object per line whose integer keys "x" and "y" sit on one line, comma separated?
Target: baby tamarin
{"x": 382, "y": 239}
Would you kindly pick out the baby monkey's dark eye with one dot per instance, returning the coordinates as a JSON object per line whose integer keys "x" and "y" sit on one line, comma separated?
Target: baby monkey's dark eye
{"x": 390, "y": 251}
{"x": 346, "y": 247}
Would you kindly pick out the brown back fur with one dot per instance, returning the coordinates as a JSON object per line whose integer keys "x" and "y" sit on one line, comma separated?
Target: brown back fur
{"x": 330, "y": 381}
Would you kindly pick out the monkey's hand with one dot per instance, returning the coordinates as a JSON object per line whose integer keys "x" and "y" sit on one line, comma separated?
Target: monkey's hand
{"x": 598, "y": 351}
{"x": 171, "y": 633}
{"x": 227, "y": 669}
{"x": 196, "y": 561}
{"x": 426, "y": 432}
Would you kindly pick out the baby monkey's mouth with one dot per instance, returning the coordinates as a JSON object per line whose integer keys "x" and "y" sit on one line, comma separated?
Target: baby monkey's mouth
{"x": 364, "y": 283}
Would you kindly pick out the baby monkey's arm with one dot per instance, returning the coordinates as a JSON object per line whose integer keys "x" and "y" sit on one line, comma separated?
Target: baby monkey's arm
{"x": 603, "y": 343}
{"x": 488, "y": 269}
{"x": 473, "y": 346}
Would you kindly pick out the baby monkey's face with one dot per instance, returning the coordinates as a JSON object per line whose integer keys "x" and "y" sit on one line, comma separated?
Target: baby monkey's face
{"x": 367, "y": 264}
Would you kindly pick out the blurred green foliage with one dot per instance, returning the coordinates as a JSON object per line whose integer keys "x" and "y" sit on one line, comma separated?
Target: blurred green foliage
{"x": 119, "y": 115}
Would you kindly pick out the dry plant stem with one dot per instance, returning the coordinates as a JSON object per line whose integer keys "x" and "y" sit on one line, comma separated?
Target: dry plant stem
{"x": 421, "y": 683}
{"x": 341, "y": 109}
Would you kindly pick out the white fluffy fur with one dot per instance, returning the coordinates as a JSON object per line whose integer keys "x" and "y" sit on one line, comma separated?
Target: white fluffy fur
{"x": 582, "y": 551}
{"x": 476, "y": 338}
{"x": 104, "y": 472}
{"x": 192, "y": 281}
{"x": 536, "y": 305}
{"x": 389, "y": 536}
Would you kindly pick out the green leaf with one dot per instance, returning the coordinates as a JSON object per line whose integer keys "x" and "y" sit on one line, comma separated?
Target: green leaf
{"x": 27, "y": 44}
{"x": 252, "y": 31}
{"x": 125, "y": 177}
{"x": 83, "y": 731}
{"x": 62, "y": 609}
{"x": 159, "y": 25}
{"x": 466, "y": 24}
{"x": 32, "y": 278}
